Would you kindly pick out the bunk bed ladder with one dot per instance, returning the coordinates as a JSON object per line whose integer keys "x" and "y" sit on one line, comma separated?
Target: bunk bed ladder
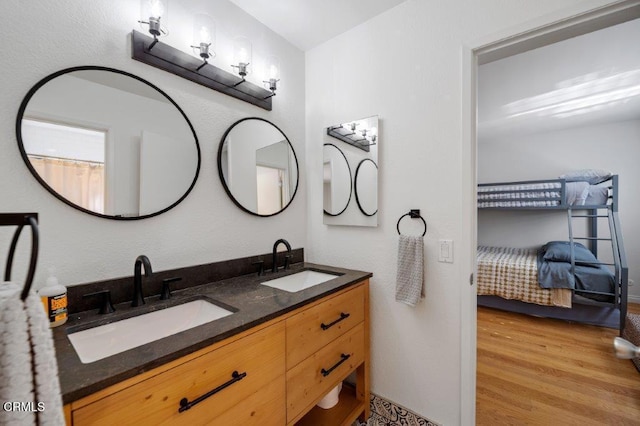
{"x": 615, "y": 238}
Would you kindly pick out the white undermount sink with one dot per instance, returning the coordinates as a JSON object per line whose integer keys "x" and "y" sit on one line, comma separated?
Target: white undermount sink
{"x": 100, "y": 342}
{"x": 299, "y": 281}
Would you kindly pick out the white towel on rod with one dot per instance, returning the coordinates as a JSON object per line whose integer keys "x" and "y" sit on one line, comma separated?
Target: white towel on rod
{"x": 28, "y": 367}
{"x": 410, "y": 274}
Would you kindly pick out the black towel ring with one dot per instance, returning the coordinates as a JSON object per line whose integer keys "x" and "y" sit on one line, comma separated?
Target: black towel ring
{"x": 414, "y": 214}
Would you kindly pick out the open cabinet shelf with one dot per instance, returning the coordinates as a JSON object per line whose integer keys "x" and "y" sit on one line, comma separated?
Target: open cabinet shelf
{"x": 348, "y": 409}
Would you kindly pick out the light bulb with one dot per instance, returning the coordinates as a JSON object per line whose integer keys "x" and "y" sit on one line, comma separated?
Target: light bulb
{"x": 241, "y": 55}
{"x": 204, "y": 29}
{"x": 204, "y": 36}
{"x": 154, "y": 16}
{"x": 157, "y": 8}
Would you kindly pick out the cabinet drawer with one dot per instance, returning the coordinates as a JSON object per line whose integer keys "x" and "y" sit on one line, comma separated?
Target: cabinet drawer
{"x": 314, "y": 377}
{"x": 156, "y": 400}
{"x": 313, "y": 328}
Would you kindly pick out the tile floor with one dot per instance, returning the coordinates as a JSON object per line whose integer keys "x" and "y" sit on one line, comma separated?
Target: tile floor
{"x": 386, "y": 413}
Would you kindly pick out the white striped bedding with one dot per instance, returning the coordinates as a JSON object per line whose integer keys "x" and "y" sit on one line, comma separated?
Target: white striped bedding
{"x": 512, "y": 273}
{"x": 500, "y": 195}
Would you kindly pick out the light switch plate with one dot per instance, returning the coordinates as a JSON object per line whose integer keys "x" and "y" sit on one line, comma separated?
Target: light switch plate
{"x": 445, "y": 251}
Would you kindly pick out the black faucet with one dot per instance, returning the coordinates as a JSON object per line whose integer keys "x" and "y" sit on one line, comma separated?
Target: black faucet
{"x": 138, "y": 298}
{"x": 274, "y": 268}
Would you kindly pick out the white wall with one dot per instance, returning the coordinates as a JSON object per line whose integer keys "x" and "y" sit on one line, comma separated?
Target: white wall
{"x": 406, "y": 66}
{"x": 613, "y": 146}
{"x": 206, "y": 227}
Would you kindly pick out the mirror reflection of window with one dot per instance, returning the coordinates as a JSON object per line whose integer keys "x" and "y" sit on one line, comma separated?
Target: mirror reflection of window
{"x": 70, "y": 159}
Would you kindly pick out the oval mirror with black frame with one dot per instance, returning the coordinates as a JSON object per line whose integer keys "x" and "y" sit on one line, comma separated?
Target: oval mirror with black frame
{"x": 108, "y": 143}
{"x": 366, "y": 187}
{"x": 258, "y": 166}
{"x": 337, "y": 177}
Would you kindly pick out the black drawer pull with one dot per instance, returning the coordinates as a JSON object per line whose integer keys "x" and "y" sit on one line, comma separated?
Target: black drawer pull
{"x": 185, "y": 404}
{"x": 343, "y": 358}
{"x": 331, "y": 324}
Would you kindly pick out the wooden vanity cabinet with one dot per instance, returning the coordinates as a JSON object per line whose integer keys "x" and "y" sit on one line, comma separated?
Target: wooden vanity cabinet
{"x": 254, "y": 398}
{"x": 275, "y": 374}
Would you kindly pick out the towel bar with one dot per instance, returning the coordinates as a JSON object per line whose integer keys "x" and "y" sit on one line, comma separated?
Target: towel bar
{"x": 414, "y": 214}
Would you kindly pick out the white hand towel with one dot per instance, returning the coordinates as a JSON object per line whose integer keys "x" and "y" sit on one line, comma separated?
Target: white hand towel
{"x": 28, "y": 368}
{"x": 410, "y": 274}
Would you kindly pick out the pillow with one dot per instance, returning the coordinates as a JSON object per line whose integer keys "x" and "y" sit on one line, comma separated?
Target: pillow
{"x": 560, "y": 251}
{"x": 593, "y": 176}
{"x": 577, "y": 193}
{"x": 598, "y": 196}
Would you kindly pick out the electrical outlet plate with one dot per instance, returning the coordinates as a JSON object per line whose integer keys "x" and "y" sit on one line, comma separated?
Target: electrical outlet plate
{"x": 445, "y": 251}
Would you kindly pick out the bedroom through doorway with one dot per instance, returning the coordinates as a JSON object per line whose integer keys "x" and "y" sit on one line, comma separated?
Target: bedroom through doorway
{"x": 560, "y": 101}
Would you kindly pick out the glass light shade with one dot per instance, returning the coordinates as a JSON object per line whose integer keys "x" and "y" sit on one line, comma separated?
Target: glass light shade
{"x": 154, "y": 16}
{"x": 272, "y": 68}
{"x": 204, "y": 30}
{"x": 349, "y": 126}
{"x": 241, "y": 51}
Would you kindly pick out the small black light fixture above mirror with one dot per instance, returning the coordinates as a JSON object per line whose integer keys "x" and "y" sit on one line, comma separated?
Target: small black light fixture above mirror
{"x": 354, "y": 134}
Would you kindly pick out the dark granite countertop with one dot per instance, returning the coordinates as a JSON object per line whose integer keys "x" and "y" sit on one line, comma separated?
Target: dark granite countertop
{"x": 255, "y": 304}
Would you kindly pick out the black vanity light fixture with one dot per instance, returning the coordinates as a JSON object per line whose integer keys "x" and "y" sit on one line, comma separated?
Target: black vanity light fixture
{"x": 355, "y": 134}
{"x": 160, "y": 55}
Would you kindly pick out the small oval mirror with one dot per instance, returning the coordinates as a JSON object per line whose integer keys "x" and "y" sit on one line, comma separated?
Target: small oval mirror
{"x": 366, "y": 187}
{"x": 258, "y": 167}
{"x": 108, "y": 143}
{"x": 336, "y": 180}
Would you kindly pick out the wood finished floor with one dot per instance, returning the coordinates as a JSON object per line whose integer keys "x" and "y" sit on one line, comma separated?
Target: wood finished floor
{"x": 536, "y": 371}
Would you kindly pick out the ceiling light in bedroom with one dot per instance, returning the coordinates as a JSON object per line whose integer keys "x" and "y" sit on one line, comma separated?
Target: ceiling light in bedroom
{"x": 580, "y": 95}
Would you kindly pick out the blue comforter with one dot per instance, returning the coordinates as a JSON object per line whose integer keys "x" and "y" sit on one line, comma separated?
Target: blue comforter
{"x": 558, "y": 274}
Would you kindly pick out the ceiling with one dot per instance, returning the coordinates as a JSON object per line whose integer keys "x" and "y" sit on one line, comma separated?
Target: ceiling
{"x": 309, "y": 23}
{"x": 590, "y": 79}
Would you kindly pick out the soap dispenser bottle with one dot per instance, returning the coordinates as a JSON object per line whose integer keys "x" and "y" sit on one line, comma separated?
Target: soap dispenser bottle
{"x": 54, "y": 299}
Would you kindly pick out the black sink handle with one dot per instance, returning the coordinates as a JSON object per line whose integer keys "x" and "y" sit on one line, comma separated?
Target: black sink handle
{"x": 185, "y": 404}
{"x": 106, "y": 307}
{"x": 343, "y": 358}
{"x": 343, "y": 316}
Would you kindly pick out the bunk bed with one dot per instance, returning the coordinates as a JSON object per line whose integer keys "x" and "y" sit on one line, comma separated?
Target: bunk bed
{"x": 562, "y": 279}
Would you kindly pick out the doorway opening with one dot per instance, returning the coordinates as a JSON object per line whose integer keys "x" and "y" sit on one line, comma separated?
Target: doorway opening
{"x": 526, "y": 40}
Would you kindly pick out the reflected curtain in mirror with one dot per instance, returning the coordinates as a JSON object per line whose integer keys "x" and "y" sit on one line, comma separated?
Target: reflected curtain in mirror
{"x": 70, "y": 159}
